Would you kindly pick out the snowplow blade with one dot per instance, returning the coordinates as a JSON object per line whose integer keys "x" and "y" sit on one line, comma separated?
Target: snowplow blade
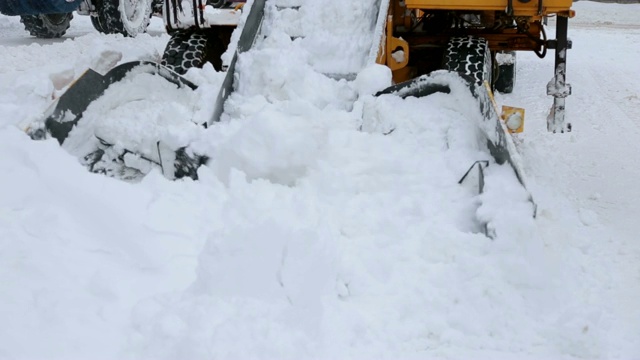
{"x": 65, "y": 113}
{"x": 499, "y": 141}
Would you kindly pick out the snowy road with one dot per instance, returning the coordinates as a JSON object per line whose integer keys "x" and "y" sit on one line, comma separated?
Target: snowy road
{"x": 310, "y": 239}
{"x": 595, "y": 169}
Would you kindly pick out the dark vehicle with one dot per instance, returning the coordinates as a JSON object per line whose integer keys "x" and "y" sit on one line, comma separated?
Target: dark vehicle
{"x": 51, "y": 18}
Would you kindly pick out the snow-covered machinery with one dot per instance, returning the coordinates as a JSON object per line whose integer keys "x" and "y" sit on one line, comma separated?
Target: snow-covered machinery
{"x": 479, "y": 39}
{"x": 51, "y": 18}
{"x": 475, "y": 39}
{"x": 200, "y": 33}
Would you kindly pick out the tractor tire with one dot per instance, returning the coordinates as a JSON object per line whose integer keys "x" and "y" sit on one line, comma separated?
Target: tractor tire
{"x": 187, "y": 49}
{"x": 126, "y": 17}
{"x": 218, "y": 3}
{"x": 470, "y": 57}
{"x": 97, "y": 25}
{"x": 47, "y": 26}
{"x": 506, "y": 72}
{"x": 156, "y": 8}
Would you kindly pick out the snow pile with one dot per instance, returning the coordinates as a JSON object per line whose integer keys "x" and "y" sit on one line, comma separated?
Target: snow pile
{"x": 210, "y": 16}
{"x": 328, "y": 223}
{"x": 326, "y": 230}
{"x": 337, "y": 37}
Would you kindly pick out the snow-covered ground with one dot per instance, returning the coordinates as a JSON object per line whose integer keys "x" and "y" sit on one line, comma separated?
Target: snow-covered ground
{"x": 311, "y": 234}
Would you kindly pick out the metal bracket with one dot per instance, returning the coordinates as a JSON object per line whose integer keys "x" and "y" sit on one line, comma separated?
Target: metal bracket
{"x": 553, "y": 44}
{"x": 479, "y": 164}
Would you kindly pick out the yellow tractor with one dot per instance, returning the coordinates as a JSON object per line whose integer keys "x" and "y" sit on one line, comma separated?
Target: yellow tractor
{"x": 477, "y": 38}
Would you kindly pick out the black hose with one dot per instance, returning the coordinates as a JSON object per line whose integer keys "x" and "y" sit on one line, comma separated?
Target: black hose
{"x": 543, "y": 44}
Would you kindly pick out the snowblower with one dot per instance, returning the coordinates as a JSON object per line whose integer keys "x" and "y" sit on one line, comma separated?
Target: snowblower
{"x": 476, "y": 39}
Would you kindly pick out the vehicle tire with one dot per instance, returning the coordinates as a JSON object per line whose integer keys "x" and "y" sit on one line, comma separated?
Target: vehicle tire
{"x": 126, "y": 17}
{"x": 218, "y": 3}
{"x": 97, "y": 25}
{"x": 470, "y": 57}
{"x": 156, "y": 8}
{"x": 47, "y": 26}
{"x": 506, "y": 73}
{"x": 187, "y": 49}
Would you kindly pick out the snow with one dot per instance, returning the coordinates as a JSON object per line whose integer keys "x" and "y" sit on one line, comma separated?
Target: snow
{"x": 210, "y": 16}
{"x": 328, "y": 223}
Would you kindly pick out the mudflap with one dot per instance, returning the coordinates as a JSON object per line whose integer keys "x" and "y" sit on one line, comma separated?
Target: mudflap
{"x": 499, "y": 141}
{"x": 65, "y": 113}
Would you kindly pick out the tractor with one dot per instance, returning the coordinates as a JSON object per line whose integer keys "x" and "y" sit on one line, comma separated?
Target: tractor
{"x": 479, "y": 39}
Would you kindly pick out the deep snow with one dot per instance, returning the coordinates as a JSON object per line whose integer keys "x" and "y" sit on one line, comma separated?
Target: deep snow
{"x": 312, "y": 234}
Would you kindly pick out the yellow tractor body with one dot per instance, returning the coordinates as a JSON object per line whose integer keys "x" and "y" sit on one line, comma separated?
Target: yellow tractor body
{"x": 418, "y": 33}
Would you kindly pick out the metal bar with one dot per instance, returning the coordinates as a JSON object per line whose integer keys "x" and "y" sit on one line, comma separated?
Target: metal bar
{"x": 201, "y": 11}
{"x": 558, "y": 87}
{"x": 196, "y": 18}
{"x": 247, "y": 38}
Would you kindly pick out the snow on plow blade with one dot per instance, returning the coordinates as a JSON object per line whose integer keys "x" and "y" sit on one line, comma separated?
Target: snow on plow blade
{"x": 67, "y": 111}
{"x": 175, "y": 161}
{"x": 499, "y": 142}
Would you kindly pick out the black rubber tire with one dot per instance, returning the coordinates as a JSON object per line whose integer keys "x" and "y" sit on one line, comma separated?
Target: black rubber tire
{"x": 47, "y": 26}
{"x": 156, "y": 8}
{"x": 187, "y": 49}
{"x": 131, "y": 21}
{"x": 218, "y": 3}
{"x": 506, "y": 72}
{"x": 97, "y": 25}
{"x": 470, "y": 57}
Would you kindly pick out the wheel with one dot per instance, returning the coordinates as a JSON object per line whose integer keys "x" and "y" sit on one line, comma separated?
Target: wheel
{"x": 47, "y": 26}
{"x": 470, "y": 57}
{"x": 506, "y": 72}
{"x": 97, "y": 25}
{"x": 126, "y": 17}
{"x": 218, "y": 3}
{"x": 187, "y": 49}
{"x": 156, "y": 8}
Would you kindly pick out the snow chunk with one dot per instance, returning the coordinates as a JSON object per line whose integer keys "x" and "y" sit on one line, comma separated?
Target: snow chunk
{"x": 106, "y": 61}
{"x": 505, "y": 58}
{"x": 372, "y": 79}
{"x": 270, "y": 147}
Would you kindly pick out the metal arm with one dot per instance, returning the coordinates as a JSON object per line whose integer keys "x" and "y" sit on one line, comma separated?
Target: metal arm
{"x": 558, "y": 87}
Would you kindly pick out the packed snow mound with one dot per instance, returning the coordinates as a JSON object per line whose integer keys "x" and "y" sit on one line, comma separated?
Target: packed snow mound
{"x": 372, "y": 79}
{"x": 324, "y": 227}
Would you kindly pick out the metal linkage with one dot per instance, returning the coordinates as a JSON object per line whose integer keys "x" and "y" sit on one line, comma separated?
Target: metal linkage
{"x": 176, "y": 18}
{"x": 558, "y": 87}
